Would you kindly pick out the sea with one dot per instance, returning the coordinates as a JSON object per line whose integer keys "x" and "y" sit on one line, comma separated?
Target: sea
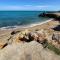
{"x": 13, "y": 19}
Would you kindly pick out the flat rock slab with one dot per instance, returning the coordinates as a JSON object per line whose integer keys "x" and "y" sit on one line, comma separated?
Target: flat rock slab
{"x": 27, "y": 51}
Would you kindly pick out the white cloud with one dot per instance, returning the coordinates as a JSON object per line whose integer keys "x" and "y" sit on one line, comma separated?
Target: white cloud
{"x": 27, "y": 5}
{"x": 42, "y": 6}
{"x": 24, "y": 7}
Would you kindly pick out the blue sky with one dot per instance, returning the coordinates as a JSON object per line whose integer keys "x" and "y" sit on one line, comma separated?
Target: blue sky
{"x": 30, "y": 5}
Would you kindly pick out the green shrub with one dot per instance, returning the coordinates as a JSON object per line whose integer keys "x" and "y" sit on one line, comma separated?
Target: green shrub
{"x": 53, "y": 48}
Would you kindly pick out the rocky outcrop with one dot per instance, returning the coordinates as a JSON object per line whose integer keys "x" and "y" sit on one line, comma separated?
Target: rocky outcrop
{"x": 14, "y": 32}
{"x": 56, "y": 36}
{"x": 39, "y": 36}
{"x": 51, "y": 15}
{"x": 30, "y": 45}
{"x": 2, "y": 45}
{"x": 27, "y": 51}
{"x": 48, "y": 15}
{"x": 27, "y": 36}
{"x": 21, "y": 36}
{"x": 56, "y": 39}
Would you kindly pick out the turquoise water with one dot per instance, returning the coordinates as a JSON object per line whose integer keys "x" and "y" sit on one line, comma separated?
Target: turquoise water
{"x": 19, "y": 18}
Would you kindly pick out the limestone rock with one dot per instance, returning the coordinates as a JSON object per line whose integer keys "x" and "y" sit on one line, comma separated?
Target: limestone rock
{"x": 21, "y": 36}
{"x": 27, "y": 51}
{"x": 56, "y": 36}
{"x": 2, "y": 45}
{"x": 28, "y": 36}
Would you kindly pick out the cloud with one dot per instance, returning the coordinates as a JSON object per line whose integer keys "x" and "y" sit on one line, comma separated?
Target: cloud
{"x": 42, "y": 6}
{"x": 24, "y": 7}
{"x": 27, "y": 5}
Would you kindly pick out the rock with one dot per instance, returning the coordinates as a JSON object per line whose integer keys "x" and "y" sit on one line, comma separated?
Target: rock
{"x": 41, "y": 35}
{"x": 2, "y": 45}
{"x": 14, "y": 32}
{"x": 22, "y": 36}
{"x": 54, "y": 43}
{"x": 28, "y": 36}
{"x": 27, "y": 51}
{"x": 50, "y": 15}
{"x": 33, "y": 36}
{"x": 40, "y": 31}
{"x": 26, "y": 31}
{"x": 56, "y": 36}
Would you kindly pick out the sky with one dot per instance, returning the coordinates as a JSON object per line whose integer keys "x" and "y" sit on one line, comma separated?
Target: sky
{"x": 35, "y": 5}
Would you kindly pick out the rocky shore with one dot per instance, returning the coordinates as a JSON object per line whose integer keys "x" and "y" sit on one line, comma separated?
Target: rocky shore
{"x": 34, "y": 43}
{"x": 55, "y": 15}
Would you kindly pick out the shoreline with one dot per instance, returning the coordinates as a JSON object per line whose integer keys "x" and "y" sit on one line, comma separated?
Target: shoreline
{"x": 26, "y": 26}
{"x": 38, "y": 26}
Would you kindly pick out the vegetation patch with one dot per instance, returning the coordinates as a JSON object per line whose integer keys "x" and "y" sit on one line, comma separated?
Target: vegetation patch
{"x": 51, "y": 47}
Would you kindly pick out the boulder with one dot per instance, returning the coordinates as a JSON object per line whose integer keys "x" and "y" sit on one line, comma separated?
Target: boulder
{"x": 33, "y": 36}
{"x": 2, "y": 45}
{"x": 56, "y": 36}
{"x": 41, "y": 35}
{"x": 26, "y": 31}
{"x": 14, "y": 32}
{"x": 22, "y": 36}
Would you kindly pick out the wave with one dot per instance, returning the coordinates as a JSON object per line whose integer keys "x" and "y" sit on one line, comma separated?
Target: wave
{"x": 25, "y": 26}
